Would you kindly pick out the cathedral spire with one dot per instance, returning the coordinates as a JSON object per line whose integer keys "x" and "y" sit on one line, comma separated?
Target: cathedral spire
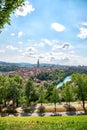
{"x": 38, "y": 64}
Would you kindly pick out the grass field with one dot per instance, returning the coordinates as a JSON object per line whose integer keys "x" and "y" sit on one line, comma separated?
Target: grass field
{"x": 44, "y": 123}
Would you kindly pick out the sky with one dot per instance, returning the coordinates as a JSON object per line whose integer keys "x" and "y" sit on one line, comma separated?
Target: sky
{"x": 53, "y": 31}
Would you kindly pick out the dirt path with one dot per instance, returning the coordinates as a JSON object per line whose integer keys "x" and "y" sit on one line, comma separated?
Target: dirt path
{"x": 62, "y": 110}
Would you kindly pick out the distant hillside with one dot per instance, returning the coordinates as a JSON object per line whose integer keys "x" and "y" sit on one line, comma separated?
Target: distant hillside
{"x": 22, "y": 64}
{"x": 6, "y": 66}
{"x": 14, "y": 64}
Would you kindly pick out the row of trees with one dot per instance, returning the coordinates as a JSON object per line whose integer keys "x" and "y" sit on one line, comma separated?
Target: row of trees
{"x": 13, "y": 89}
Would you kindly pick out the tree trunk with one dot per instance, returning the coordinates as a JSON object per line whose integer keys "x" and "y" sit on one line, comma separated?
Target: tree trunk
{"x": 83, "y": 102}
{"x": 17, "y": 103}
{"x": 13, "y": 103}
{"x": 69, "y": 104}
{"x": 0, "y": 108}
{"x": 4, "y": 103}
{"x": 55, "y": 108}
{"x": 41, "y": 105}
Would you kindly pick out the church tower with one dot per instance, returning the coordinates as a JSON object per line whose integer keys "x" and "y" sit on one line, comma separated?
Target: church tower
{"x": 38, "y": 64}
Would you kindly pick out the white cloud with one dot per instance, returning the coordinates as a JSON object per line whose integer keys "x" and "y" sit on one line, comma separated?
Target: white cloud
{"x": 41, "y": 56}
{"x": 20, "y": 34}
{"x": 67, "y": 45}
{"x": 29, "y": 51}
{"x": 20, "y": 50}
{"x": 84, "y": 23}
{"x": 48, "y": 42}
{"x": 25, "y": 9}
{"x": 83, "y": 33}
{"x": 2, "y": 51}
{"x": 57, "y": 27}
{"x": 10, "y": 47}
{"x": 47, "y": 57}
{"x": 45, "y": 41}
{"x": 20, "y": 42}
{"x": 57, "y": 47}
{"x": 64, "y": 46}
{"x": 12, "y": 34}
{"x": 64, "y": 58}
{"x": 39, "y": 44}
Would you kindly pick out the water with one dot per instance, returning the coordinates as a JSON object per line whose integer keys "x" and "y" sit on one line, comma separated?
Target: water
{"x": 68, "y": 78}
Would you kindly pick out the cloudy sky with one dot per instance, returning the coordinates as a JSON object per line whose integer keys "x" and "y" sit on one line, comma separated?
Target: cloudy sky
{"x": 53, "y": 31}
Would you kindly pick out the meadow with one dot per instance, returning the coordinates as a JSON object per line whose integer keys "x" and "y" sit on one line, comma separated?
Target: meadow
{"x": 44, "y": 123}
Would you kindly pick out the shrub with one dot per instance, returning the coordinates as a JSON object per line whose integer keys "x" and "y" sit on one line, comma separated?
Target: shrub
{"x": 28, "y": 110}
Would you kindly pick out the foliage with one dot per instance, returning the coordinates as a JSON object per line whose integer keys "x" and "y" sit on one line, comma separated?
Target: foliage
{"x": 3, "y": 89}
{"x": 30, "y": 91}
{"x": 13, "y": 89}
{"x": 8, "y": 68}
{"x": 57, "y": 75}
{"x": 80, "y": 83}
{"x": 41, "y": 95}
{"x": 67, "y": 93}
{"x": 55, "y": 97}
{"x": 49, "y": 91}
{"x": 7, "y": 7}
{"x": 28, "y": 110}
{"x": 53, "y": 76}
{"x": 10, "y": 88}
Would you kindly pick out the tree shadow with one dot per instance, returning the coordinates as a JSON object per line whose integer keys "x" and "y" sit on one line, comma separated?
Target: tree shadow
{"x": 41, "y": 111}
{"x": 70, "y": 110}
{"x": 56, "y": 114}
{"x": 21, "y": 111}
{"x": 28, "y": 110}
{"x": 85, "y": 110}
{"x": 82, "y": 113}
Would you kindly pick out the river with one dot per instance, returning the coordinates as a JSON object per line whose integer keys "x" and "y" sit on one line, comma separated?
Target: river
{"x": 68, "y": 78}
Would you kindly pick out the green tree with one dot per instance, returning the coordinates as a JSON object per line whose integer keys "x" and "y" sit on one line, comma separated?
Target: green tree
{"x": 19, "y": 85}
{"x": 7, "y": 7}
{"x": 49, "y": 91}
{"x": 80, "y": 83}
{"x": 3, "y": 89}
{"x": 67, "y": 93}
{"x": 30, "y": 91}
{"x": 55, "y": 97}
{"x": 41, "y": 95}
{"x": 14, "y": 89}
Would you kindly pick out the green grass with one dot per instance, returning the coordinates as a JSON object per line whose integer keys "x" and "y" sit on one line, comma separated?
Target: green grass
{"x": 44, "y": 123}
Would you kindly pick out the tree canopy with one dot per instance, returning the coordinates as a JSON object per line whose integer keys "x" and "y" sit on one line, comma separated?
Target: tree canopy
{"x": 80, "y": 83}
{"x": 7, "y": 7}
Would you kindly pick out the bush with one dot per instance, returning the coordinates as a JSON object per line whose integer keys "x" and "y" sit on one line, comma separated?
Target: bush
{"x": 28, "y": 110}
{"x": 10, "y": 111}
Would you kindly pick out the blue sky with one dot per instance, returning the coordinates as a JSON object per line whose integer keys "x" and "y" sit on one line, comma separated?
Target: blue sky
{"x": 53, "y": 31}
